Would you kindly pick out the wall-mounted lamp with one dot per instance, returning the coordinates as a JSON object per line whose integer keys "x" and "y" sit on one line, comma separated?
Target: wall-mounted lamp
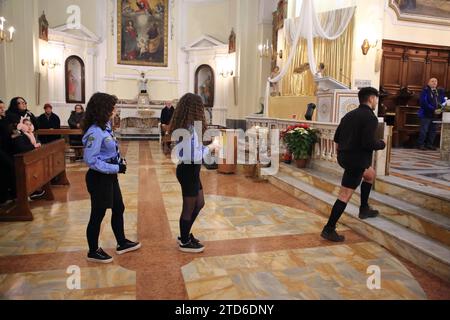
{"x": 226, "y": 74}
{"x": 50, "y": 64}
{"x": 366, "y": 46}
{"x": 3, "y": 35}
{"x": 265, "y": 50}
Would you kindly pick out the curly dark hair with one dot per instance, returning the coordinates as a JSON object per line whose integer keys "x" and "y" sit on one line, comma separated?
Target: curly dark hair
{"x": 99, "y": 110}
{"x": 189, "y": 109}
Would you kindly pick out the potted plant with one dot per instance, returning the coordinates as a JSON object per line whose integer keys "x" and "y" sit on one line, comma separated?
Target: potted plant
{"x": 300, "y": 140}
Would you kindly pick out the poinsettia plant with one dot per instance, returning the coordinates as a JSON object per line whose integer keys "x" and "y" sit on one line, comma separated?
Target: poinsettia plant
{"x": 300, "y": 140}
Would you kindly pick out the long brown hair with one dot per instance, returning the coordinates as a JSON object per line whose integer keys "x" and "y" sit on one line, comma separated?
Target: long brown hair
{"x": 189, "y": 109}
{"x": 99, "y": 110}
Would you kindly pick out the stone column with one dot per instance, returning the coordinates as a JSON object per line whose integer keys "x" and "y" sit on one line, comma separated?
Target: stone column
{"x": 445, "y": 137}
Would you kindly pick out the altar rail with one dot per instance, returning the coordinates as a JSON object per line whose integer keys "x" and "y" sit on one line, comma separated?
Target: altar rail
{"x": 325, "y": 149}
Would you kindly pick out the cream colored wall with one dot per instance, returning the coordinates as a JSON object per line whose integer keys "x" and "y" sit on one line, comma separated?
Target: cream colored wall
{"x": 56, "y": 12}
{"x": 212, "y": 19}
{"x": 18, "y": 60}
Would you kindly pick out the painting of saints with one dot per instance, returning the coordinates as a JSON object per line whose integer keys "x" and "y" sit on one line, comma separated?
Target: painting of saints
{"x": 143, "y": 39}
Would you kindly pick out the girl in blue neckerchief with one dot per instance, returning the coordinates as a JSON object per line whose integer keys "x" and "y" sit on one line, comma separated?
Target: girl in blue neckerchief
{"x": 102, "y": 155}
{"x": 189, "y": 122}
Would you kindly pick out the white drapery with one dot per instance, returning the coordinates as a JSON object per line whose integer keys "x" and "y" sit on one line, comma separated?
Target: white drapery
{"x": 328, "y": 25}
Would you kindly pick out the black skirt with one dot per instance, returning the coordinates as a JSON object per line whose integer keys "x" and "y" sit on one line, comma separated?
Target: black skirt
{"x": 188, "y": 176}
{"x": 103, "y": 188}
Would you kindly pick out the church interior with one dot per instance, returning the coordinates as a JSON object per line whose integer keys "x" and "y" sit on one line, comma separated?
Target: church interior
{"x": 264, "y": 70}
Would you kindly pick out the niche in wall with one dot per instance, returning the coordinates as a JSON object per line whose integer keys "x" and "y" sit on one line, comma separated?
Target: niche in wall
{"x": 75, "y": 81}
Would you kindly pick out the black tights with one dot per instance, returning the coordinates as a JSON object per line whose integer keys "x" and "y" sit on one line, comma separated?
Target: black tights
{"x": 95, "y": 222}
{"x": 191, "y": 208}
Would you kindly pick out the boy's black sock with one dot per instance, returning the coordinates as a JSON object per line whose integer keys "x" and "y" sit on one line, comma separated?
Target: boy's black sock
{"x": 365, "y": 192}
{"x": 336, "y": 213}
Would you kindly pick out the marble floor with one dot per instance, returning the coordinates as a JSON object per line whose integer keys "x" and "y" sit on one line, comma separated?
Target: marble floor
{"x": 261, "y": 243}
{"x": 420, "y": 166}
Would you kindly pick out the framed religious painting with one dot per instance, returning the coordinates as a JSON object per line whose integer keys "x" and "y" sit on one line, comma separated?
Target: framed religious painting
{"x": 75, "y": 82}
{"x": 142, "y": 32}
{"x": 424, "y": 11}
{"x": 204, "y": 84}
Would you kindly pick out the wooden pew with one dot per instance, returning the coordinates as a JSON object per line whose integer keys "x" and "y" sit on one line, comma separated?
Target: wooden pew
{"x": 63, "y": 132}
{"x": 34, "y": 170}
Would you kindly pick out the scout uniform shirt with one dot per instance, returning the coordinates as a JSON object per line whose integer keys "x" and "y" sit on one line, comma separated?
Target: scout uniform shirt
{"x": 101, "y": 149}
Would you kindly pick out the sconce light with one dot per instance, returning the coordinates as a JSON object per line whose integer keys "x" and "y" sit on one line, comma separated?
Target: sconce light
{"x": 366, "y": 46}
{"x": 50, "y": 64}
{"x": 3, "y": 35}
{"x": 265, "y": 50}
{"x": 226, "y": 74}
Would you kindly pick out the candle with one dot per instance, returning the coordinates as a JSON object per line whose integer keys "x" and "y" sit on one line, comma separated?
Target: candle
{"x": 11, "y": 31}
{"x": 2, "y": 21}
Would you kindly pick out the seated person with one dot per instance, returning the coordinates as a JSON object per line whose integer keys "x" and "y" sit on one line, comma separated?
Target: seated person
{"x": 49, "y": 120}
{"x": 76, "y": 117}
{"x": 24, "y": 139}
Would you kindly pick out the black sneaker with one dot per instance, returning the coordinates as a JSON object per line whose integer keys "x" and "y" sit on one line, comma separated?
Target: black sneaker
{"x": 191, "y": 247}
{"x": 431, "y": 148}
{"x": 128, "y": 246}
{"x": 191, "y": 237}
{"x": 37, "y": 194}
{"x": 422, "y": 148}
{"x": 368, "y": 212}
{"x": 99, "y": 256}
{"x": 332, "y": 236}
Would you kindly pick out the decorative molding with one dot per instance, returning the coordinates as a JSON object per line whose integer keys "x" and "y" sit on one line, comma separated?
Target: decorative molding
{"x": 86, "y": 34}
{"x": 205, "y": 42}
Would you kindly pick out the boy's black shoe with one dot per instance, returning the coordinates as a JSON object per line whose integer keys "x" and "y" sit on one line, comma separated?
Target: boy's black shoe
{"x": 128, "y": 246}
{"x": 191, "y": 237}
{"x": 332, "y": 236}
{"x": 367, "y": 212}
{"x": 99, "y": 256}
{"x": 191, "y": 247}
{"x": 431, "y": 148}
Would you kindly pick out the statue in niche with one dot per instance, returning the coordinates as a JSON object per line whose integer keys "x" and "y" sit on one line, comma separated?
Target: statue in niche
{"x": 143, "y": 82}
{"x": 232, "y": 42}
{"x": 275, "y": 89}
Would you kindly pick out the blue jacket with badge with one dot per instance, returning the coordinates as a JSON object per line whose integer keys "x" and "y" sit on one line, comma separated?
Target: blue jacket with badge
{"x": 101, "y": 150}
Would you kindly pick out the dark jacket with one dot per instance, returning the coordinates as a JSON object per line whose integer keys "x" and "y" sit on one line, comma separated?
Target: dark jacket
{"x": 429, "y": 102}
{"x": 22, "y": 144}
{"x": 5, "y": 136}
{"x": 51, "y": 122}
{"x": 356, "y": 139}
{"x": 166, "y": 115}
{"x": 75, "y": 118}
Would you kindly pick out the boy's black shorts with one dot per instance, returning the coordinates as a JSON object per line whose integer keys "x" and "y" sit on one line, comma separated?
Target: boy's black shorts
{"x": 353, "y": 176}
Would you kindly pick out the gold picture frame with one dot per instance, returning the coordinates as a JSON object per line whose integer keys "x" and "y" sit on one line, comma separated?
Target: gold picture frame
{"x": 422, "y": 11}
{"x": 143, "y": 33}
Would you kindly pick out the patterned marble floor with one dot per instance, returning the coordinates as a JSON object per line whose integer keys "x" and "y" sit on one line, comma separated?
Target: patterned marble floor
{"x": 421, "y": 166}
{"x": 338, "y": 273}
{"x": 100, "y": 283}
{"x": 260, "y": 242}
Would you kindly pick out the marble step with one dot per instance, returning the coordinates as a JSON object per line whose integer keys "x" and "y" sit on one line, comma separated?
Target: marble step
{"x": 431, "y": 198}
{"x": 413, "y": 246}
{"x": 419, "y": 219}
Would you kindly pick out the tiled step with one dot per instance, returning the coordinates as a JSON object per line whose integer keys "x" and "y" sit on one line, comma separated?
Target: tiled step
{"x": 417, "y": 248}
{"x": 431, "y": 198}
{"x": 422, "y": 220}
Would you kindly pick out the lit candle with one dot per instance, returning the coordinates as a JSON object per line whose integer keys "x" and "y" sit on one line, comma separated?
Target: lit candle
{"x": 2, "y": 21}
{"x": 11, "y": 31}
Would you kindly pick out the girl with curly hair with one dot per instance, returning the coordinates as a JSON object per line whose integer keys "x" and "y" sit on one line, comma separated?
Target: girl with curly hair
{"x": 189, "y": 123}
{"x": 102, "y": 155}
